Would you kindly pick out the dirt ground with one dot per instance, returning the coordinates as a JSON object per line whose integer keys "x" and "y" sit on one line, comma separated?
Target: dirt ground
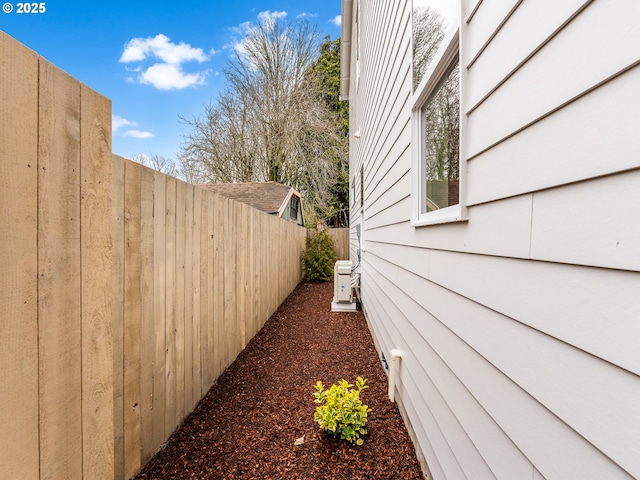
{"x": 247, "y": 425}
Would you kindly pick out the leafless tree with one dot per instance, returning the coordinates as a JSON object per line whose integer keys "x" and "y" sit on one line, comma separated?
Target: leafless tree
{"x": 441, "y": 112}
{"x": 442, "y": 115}
{"x": 220, "y": 147}
{"x": 157, "y": 162}
{"x": 271, "y": 123}
{"x": 428, "y": 33}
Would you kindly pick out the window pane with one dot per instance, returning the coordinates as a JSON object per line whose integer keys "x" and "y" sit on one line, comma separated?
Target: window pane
{"x": 442, "y": 143}
{"x": 294, "y": 208}
{"x": 430, "y": 21}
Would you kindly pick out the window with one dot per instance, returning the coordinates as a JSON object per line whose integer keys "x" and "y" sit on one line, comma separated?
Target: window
{"x": 294, "y": 205}
{"x": 436, "y": 113}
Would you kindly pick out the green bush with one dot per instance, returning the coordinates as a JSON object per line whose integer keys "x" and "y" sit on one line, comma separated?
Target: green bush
{"x": 319, "y": 257}
{"x": 341, "y": 412}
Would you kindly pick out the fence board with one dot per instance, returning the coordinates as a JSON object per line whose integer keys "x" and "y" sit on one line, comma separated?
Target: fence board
{"x": 188, "y": 306}
{"x": 132, "y": 318}
{"x": 204, "y": 295}
{"x": 170, "y": 419}
{"x": 147, "y": 353}
{"x": 117, "y": 265}
{"x": 253, "y": 285}
{"x": 97, "y": 339}
{"x": 229, "y": 283}
{"x": 218, "y": 284}
{"x": 59, "y": 274}
{"x": 19, "y": 456}
{"x": 159, "y": 306}
{"x": 276, "y": 242}
{"x": 265, "y": 259}
{"x": 340, "y": 237}
{"x": 211, "y": 317}
{"x": 240, "y": 224}
{"x": 197, "y": 317}
{"x": 180, "y": 298}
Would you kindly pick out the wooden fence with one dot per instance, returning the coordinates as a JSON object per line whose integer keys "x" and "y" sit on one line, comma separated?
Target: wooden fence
{"x": 340, "y": 237}
{"x": 195, "y": 276}
{"x": 124, "y": 292}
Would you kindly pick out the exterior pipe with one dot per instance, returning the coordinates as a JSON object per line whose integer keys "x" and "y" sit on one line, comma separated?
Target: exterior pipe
{"x": 395, "y": 355}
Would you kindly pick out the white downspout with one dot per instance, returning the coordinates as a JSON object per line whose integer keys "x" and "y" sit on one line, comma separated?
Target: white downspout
{"x": 395, "y": 355}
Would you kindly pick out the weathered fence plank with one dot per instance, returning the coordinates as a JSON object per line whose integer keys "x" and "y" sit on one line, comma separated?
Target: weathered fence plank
{"x": 211, "y": 317}
{"x": 147, "y": 334}
{"x": 188, "y": 306}
{"x": 218, "y": 284}
{"x": 204, "y": 295}
{"x": 159, "y": 306}
{"x": 197, "y": 316}
{"x": 117, "y": 265}
{"x": 132, "y": 317}
{"x": 59, "y": 309}
{"x": 19, "y": 454}
{"x": 170, "y": 421}
{"x": 180, "y": 299}
{"x": 230, "y": 271}
{"x": 95, "y": 247}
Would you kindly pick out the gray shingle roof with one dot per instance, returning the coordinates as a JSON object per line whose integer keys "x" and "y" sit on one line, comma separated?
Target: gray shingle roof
{"x": 267, "y": 197}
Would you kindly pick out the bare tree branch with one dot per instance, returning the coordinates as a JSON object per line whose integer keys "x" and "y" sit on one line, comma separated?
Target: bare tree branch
{"x": 271, "y": 123}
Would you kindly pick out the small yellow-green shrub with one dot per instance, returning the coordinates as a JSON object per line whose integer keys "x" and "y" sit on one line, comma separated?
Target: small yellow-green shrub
{"x": 341, "y": 412}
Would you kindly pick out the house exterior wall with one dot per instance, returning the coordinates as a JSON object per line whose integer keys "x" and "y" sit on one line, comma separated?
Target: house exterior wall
{"x": 518, "y": 326}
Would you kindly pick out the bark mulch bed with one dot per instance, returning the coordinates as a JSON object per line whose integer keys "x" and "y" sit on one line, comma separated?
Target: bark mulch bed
{"x": 246, "y": 426}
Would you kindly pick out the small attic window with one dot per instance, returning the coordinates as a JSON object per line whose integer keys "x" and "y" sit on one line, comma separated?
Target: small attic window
{"x": 294, "y": 206}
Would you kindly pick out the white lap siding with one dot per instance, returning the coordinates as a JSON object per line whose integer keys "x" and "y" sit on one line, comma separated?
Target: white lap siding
{"x": 519, "y": 326}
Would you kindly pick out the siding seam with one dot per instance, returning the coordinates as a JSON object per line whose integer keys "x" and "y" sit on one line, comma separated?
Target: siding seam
{"x": 527, "y": 58}
{"x": 558, "y": 108}
{"x": 495, "y": 32}
{"x": 512, "y": 380}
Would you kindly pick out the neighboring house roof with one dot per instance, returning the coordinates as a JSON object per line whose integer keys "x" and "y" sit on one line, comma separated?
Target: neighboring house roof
{"x": 270, "y": 197}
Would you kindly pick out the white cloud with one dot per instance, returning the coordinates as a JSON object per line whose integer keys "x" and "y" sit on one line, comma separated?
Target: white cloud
{"x": 241, "y": 29}
{"x": 168, "y": 73}
{"x": 307, "y": 15}
{"x": 137, "y": 134}
{"x": 337, "y": 20}
{"x": 166, "y": 76}
{"x": 160, "y": 46}
{"x": 118, "y": 123}
{"x": 269, "y": 16}
{"x": 238, "y": 44}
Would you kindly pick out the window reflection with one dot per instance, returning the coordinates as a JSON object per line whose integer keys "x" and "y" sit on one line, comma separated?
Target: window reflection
{"x": 431, "y": 19}
{"x": 442, "y": 143}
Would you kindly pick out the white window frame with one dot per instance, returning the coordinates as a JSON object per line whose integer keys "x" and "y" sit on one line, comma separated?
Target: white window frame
{"x": 447, "y": 54}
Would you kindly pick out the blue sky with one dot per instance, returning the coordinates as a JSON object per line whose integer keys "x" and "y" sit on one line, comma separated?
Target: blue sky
{"x": 154, "y": 60}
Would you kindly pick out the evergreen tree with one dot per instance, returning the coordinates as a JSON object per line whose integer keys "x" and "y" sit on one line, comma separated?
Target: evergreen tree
{"x": 326, "y": 70}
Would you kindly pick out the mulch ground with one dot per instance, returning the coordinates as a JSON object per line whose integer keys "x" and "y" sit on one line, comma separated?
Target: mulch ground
{"x": 247, "y": 424}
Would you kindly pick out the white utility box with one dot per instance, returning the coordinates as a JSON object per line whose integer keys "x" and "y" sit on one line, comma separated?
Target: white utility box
{"x": 343, "y": 300}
